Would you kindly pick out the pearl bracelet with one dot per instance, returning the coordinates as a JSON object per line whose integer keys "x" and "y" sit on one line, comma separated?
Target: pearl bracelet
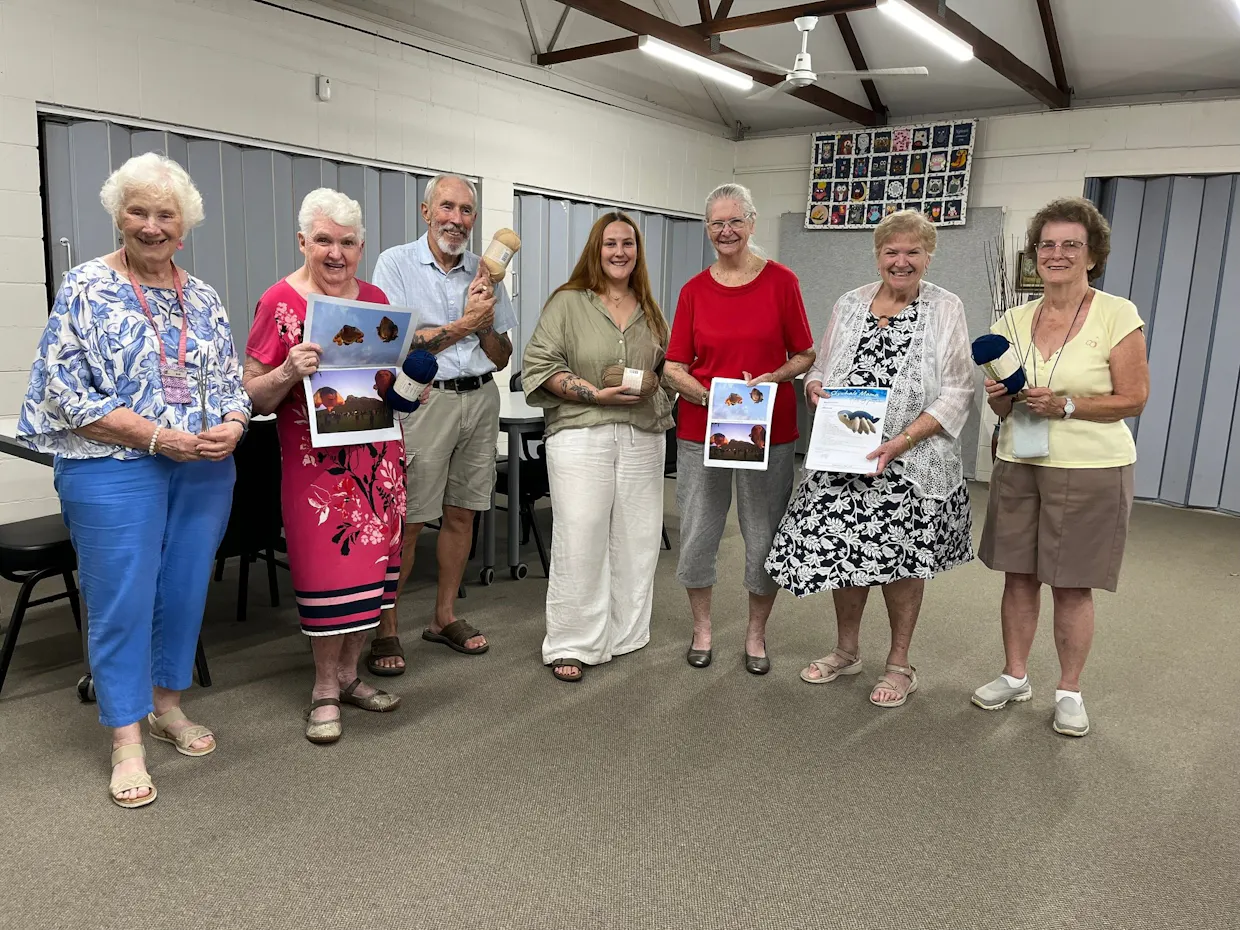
{"x": 150, "y": 450}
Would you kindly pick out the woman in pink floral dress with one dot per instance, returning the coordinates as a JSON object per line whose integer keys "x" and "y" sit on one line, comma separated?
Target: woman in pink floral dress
{"x": 343, "y": 507}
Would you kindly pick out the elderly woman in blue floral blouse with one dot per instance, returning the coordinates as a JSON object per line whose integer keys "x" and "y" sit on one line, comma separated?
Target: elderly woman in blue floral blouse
{"x": 137, "y": 392}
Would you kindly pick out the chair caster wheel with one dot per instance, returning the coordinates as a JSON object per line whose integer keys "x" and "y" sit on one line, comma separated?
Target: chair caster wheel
{"x": 486, "y": 577}
{"x": 86, "y": 689}
{"x": 519, "y": 571}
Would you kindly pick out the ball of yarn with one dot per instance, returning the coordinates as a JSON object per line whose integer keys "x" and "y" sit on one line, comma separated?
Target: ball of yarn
{"x": 613, "y": 376}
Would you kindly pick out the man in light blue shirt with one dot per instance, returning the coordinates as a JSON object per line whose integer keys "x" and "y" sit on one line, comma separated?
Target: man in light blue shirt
{"x": 450, "y": 445}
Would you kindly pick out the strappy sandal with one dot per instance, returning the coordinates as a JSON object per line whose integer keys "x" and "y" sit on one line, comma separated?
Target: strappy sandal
{"x": 385, "y": 647}
{"x": 887, "y": 683}
{"x": 455, "y": 635}
{"x": 322, "y": 731}
{"x": 380, "y": 701}
{"x": 125, "y": 783}
{"x": 183, "y": 740}
{"x": 567, "y": 663}
{"x": 828, "y": 670}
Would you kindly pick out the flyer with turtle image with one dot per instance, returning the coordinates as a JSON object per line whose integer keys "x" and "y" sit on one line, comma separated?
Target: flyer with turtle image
{"x": 364, "y": 345}
{"x": 848, "y": 426}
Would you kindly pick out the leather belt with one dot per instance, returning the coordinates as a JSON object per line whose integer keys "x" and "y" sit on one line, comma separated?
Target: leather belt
{"x": 462, "y": 385}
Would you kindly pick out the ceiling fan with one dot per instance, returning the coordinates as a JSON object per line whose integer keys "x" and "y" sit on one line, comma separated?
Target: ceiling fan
{"x": 801, "y": 74}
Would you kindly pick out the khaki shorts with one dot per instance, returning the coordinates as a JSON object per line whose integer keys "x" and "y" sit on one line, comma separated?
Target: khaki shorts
{"x": 450, "y": 452}
{"x": 1068, "y": 526}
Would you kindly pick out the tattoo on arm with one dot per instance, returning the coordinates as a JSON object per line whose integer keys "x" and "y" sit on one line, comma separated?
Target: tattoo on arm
{"x": 571, "y": 384}
{"x": 432, "y": 340}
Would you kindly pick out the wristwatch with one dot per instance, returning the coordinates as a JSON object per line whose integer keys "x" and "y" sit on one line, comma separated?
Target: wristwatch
{"x": 1069, "y": 408}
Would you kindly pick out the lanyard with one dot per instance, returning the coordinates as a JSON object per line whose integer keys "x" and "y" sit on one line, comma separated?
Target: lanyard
{"x": 137, "y": 289}
{"x": 1033, "y": 338}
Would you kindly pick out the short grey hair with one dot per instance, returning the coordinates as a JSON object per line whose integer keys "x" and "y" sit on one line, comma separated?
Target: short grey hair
{"x": 906, "y": 223}
{"x": 742, "y": 195}
{"x": 152, "y": 172}
{"x": 428, "y": 199}
{"x": 738, "y": 192}
{"x": 332, "y": 205}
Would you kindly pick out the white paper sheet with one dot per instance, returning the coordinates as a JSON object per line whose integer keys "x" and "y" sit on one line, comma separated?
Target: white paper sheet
{"x": 848, "y": 426}
{"x": 738, "y": 424}
{"x": 364, "y": 346}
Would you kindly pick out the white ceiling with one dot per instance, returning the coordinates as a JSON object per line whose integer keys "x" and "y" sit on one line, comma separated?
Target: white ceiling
{"x": 1111, "y": 48}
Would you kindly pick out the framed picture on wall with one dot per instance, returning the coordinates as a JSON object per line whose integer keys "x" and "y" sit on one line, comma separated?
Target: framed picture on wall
{"x": 1027, "y": 277}
{"x": 916, "y": 167}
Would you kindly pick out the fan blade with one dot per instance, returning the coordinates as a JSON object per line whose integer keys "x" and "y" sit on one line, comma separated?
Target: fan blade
{"x": 747, "y": 61}
{"x": 769, "y": 92}
{"x": 879, "y": 72}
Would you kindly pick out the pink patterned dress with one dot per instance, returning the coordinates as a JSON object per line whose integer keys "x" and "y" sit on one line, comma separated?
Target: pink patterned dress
{"x": 344, "y": 507}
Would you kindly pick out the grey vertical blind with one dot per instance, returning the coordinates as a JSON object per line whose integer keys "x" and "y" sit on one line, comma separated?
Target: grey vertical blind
{"x": 553, "y": 232}
{"x": 1176, "y": 254}
{"x": 250, "y": 195}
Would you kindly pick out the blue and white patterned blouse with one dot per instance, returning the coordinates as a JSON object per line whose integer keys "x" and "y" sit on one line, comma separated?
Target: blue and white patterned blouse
{"x": 99, "y": 353}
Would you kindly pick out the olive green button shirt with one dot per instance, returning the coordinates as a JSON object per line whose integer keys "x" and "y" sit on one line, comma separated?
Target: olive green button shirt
{"x": 576, "y": 334}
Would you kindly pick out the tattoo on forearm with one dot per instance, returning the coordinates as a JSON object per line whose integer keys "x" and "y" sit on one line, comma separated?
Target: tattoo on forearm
{"x": 433, "y": 341}
{"x": 571, "y": 384}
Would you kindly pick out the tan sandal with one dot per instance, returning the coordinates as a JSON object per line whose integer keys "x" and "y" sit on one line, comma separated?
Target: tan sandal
{"x": 380, "y": 701}
{"x": 119, "y": 786}
{"x": 183, "y": 740}
{"x": 323, "y": 731}
{"x": 829, "y": 670}
{"x": 887, "y": 683}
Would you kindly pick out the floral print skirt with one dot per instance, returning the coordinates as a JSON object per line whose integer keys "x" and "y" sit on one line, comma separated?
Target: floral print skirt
{"x": 344, "y": 513}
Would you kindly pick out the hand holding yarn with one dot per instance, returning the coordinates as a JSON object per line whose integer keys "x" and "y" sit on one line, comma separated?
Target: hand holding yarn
{"x": 412, "y": 386}
{"x": 633, "y": 380}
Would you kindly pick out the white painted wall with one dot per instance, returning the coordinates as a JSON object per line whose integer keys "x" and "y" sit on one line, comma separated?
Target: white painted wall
{"x": 237, "y": 67}
{"x": 1023, "y": 161}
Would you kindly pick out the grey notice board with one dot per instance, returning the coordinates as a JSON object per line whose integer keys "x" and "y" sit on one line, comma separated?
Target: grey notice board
{"x": 831, "y": 262}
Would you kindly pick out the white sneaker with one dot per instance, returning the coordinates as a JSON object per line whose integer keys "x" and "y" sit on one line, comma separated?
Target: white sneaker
{"x": 1070, "y": 717}
{"x": 995, "y": 695}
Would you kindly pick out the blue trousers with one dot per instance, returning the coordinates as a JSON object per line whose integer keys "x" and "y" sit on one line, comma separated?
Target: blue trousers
{"x": 146, "y": 531}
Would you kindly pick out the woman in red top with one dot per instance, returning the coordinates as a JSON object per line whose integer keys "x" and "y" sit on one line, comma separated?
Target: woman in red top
{"x": 742, "y": 317}
{"x": 343, "y": 507}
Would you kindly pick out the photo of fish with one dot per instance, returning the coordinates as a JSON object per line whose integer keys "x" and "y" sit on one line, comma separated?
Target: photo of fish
{"x": 348, "y": 335}
{"x": 859, "y": 421}
{"x": 388, "y": 330}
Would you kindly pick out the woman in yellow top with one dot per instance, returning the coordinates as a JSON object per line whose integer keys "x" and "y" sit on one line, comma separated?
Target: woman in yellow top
{"x": 605, "y": 448}
{"x": 1061, "y": 489}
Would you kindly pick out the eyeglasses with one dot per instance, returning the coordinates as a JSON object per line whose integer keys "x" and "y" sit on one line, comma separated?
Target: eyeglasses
{"x": 735, "y": 224}
{"x": 1068, "y": 247}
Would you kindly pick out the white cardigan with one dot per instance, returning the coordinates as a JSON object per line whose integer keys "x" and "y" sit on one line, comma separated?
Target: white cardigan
{"x": 937, "y": 379}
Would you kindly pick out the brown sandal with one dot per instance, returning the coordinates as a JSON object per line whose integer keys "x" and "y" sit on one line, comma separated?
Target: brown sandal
{"x": 455, "y": 635}
{"x": 558, "y": 664}
{"x": 380, "y": 701}
{"x": 322, "y": 731}
{"x": 382, "y": 648}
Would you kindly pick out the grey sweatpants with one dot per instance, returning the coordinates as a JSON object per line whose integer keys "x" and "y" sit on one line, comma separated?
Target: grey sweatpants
{"x": 704, "y": 497}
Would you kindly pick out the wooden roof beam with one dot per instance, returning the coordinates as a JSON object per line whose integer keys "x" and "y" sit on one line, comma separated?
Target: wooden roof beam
{"x": 1052, "y": 45}
{"x": 632, "y": 19}
{"x": 991, "y": 53}
{"x": 785, "y": 14}
{"x": 858, "y": 60}
{"x": 593, "y": 50}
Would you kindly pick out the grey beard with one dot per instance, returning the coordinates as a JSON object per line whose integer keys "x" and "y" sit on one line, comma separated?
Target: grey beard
{"x": 449, "y": 249}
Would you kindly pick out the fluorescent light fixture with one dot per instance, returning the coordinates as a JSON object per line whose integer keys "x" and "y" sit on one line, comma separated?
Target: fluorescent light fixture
{"x": 929, "y": 29}
{"x": 703, "y": 66}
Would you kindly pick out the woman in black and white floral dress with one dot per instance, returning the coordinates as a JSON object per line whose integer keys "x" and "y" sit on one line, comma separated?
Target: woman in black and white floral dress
{"x": 910, "y": 520}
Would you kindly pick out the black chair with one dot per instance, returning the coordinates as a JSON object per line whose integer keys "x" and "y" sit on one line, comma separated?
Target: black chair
{"x": 256, "y": 524}
{"x": 669, "y": 468}
{"x": 31, "y": 551}
{"x": 535, "y": 485}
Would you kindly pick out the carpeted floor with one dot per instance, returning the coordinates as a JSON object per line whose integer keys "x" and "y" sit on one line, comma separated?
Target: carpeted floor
{"x": 653, "y": 795}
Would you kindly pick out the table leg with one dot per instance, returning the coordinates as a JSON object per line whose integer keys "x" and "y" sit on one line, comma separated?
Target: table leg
{"x": 514, "y": 497}
{"x": 488, "y": 535}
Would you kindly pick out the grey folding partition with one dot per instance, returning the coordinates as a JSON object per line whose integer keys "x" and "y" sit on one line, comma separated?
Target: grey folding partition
{"x": 250, "y": 196}
{"x": 554, "y": 230}
{"x": 1176, "y": 255}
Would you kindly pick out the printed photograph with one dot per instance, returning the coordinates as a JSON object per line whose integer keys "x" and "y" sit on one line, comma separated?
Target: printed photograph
{"x": 354, "y": 337}
{"x": 348, "y": 400}
{"x": 735, "y": 403}
{"x": 737, "y": 442}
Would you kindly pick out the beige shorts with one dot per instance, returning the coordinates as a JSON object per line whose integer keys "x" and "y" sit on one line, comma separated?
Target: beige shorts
{"x": 1068, "y": 526}
{"x": 450, "y": 452}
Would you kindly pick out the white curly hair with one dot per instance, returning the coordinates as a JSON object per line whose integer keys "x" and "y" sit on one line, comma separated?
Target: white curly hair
{"x": 333, "y": 205}
{"x": 152, "y": 172}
